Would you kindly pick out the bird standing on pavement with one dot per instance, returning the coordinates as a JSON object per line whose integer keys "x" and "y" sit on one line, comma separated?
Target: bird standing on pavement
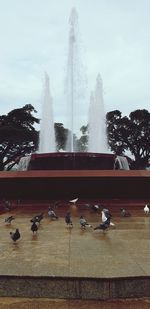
{"x": 103, "y": 226}
{"x": 74, "y": 201}
{"x": 34, "y": 227}
{"x": 84, "y": 223}
{"x": 51, "y": 214}
{"x": 93, "y": 207}
{"x": 125, "y": 213}
{"x": 9, "y": 219}
{"x": 68, "y": 219}
{"x": 105, "y": 215}
{"x": 38, "y": 218}
{"x": 146, "y": 209}
{"x": 15, "y": 235}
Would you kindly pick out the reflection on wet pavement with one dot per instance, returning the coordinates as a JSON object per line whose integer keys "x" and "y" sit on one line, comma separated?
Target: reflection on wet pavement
{"x": 57, "y": 250}
{"x": 26, "y": 303}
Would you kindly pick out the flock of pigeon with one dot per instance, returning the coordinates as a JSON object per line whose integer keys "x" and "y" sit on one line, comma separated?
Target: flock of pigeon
{"x": 104, "y": 225}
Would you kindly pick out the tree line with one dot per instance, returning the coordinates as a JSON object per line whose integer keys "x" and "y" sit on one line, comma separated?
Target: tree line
{"x": 126, "y": 136}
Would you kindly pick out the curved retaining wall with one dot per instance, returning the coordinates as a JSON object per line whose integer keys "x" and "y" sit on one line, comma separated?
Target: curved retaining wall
{"x": 45, "y": 185}
{"x": 74, "y": 288}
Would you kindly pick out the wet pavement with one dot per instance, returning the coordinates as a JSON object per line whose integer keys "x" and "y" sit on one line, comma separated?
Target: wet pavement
{"x": 58, "y": 250}
{"x": 24, "y": 303}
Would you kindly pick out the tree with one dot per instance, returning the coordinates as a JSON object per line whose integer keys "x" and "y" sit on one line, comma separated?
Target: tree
{"x": 82, "y": 142}
{"x": 139, "y": 137}
{"x": 116, "y": 132}
{"x": 130, "y": 134}
{"x": 61, "y": 136}
{"x": 18, "y": 137}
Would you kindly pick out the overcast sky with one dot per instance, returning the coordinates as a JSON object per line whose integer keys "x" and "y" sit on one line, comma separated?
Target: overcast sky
{"x": 34, "y": 38}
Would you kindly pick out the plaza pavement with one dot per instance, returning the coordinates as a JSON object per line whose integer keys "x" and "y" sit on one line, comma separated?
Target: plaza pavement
{"x": 57, "y": 250}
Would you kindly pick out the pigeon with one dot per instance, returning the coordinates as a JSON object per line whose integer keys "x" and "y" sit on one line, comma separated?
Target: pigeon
{"x": 93, "y": 207}
{"x": 84, "y": 223}
{"x": 146, "y": 209}
{"x": 74, "y": 201}
{"x": 51, "y": 214}
{"x": 125, "y": 213}
{"x": 34, "y": 227}
{"x": 105, "y": 215}
{"x": 68, "y": 219}
{"x": 15, "y": 236}
{"x": 103, "y": 226}
{"x": 37, "y": 218}
{"x": 7, "y": 205}
{"x": 89, "y": 206}
{"x": 9, "y": 219}
{"x": 56, "y": 204}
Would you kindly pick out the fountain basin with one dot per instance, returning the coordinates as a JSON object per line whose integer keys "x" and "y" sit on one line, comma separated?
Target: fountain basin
{"x": 72, "y": 161}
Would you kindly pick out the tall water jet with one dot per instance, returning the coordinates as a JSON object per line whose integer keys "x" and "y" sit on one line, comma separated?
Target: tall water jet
{"x": 97, "y": 120}
{"x": 98, "y": 158}
{"x": 47, "y": 134}
{"x": 75, "y": 81}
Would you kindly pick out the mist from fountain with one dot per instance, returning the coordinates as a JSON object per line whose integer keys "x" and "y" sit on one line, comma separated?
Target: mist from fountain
{"x": 75, "y": 94}
{"x": 75, "y": 83}
{"x": 47, "y": 135}
{"x": 97, "y": 120}
{"x": 76, "y": 101}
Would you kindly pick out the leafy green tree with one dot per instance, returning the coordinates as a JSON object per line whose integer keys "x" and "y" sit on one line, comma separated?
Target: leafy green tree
{"x": 82, "y": 142}
{"x": 130, "y": 134}
{"x": 18, "y": 136}
{"x": 61, "y": 136}
{"x": 116, "y": 132}
{"x": 139, "y": 137}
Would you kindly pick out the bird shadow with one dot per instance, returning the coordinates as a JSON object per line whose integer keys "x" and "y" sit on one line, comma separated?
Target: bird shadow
{"x": 86, "y": 230}
{"x": 15, "y": 246}
{"x": 8, "y": 225}
{"x": 35, "y": 236}
{"x": 101, "y": 235}
{"x": 69, "y": 229}
{"x": 82, "y": 232}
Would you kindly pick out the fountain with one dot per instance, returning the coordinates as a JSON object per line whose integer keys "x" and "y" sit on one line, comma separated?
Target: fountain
{"x": 47, "y": 135}
{"x": 75, "y": 97}
{"x": 97, "y": 157}
{"x": 97, "y": 125}
{"x": 75, "y": 82}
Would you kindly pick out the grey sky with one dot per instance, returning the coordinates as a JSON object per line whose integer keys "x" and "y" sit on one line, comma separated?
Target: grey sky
{"x": 34, "y": 38}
